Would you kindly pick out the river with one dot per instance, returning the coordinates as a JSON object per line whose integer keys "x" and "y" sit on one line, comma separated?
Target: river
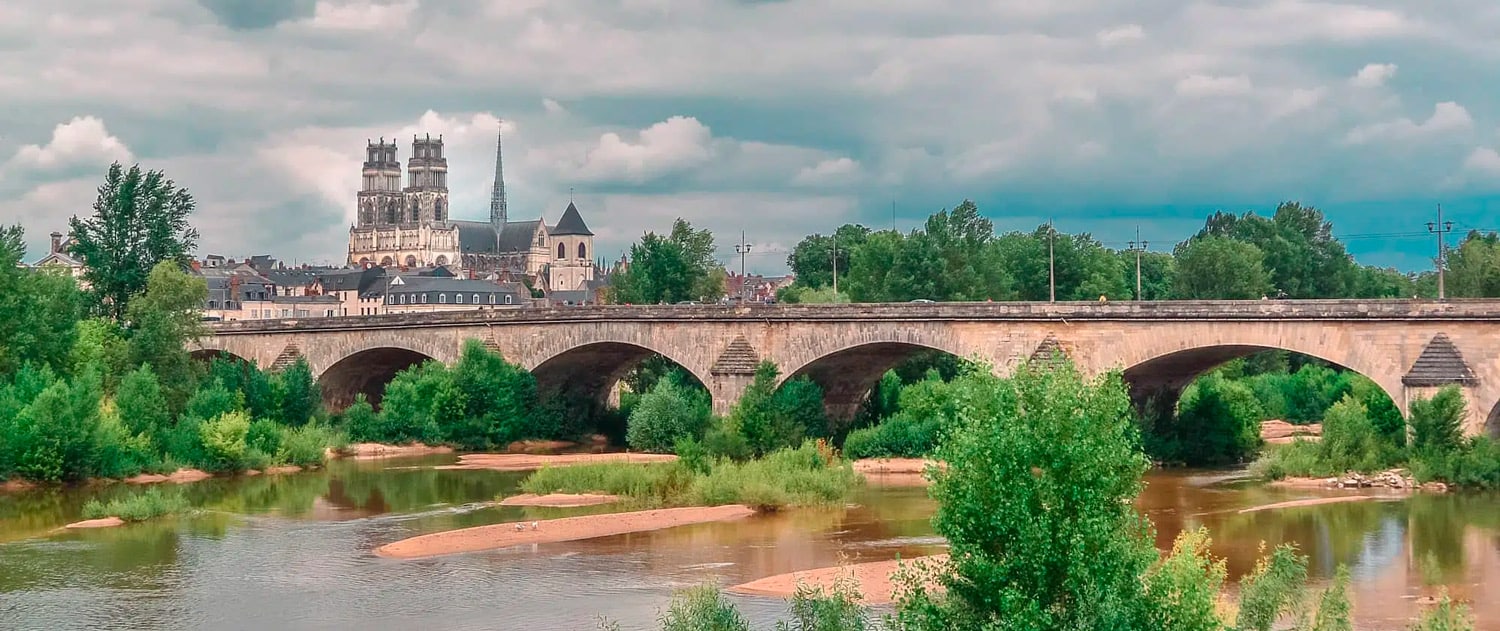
{"x": 295, "y": 552}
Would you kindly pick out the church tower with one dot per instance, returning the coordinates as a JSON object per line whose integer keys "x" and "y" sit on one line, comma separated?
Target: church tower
{"x": 426, "y": 190}
{"x": 498, "y": 211}
{"x": 379, "y": 200}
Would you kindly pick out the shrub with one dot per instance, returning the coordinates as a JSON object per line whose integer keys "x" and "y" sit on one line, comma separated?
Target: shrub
{"x": 790, "y": 477}
{"x": 119, "y": 453}
{"x": 223, "y": 439}
{"x": 1300, "y": 458}
{"x": 1349, "y": 441}
{"x": 1272, "y": 588}
{"x": 1218, "y": 422}
{"x": 836, "y": 609}
{"x": 142, "y": 406}
{"x": 1334, "y": 610}
{"x": 900, "y": 436}
{"x": 183, "y": 442}
{"x": 361, "y": 422}
{"x": 264, "y": 436}
{"x": 692, "y": 454}
{"x": 665, "y": 415}
{"x": 306, "y": 446}
{"x": 702, "y": 608}
{"x": 1187, "y": 583}
{"x": 296, "y": 393}
{"x": 212, "y": 401}
{"x": 139, "y": 507}
{"x": 656, "y": 484}
{"x": 769, "y": 418}
{"x": 1446, "y": 616}
{"x": 1437, "y": 423}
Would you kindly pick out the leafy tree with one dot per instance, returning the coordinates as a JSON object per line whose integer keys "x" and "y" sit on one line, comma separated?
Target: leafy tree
{"x": 54, "y": 433}
{"x": 1036, "y": 505}
{"x": 100, "y": 343}
{"x": 38, "y": 309}
{"x": 1158, "y": 274}
{"x": 1298, "y": 249}
{"x": 1349, "y": 439}
{"x": 1187, "y": 582}
{"x": 673, "y": 268}
{"x": 666, "y": 415}
{"x": 1474, "y": 267}
{"x": 407, "y": 406}
{"x": 870, "y": 268}
{"x": 296, "y": 393}
{"x": 1271, "y": 589}
{"x": 141, "y": 404}
{"x": 1214, "y": 267}
{"x": 1437, "y": 423}
{"x": 140, "y": 220}
{"x": 163, "y": 319}
{"x": 361, "y": 422}
{"x": 494, "y": 401}
{"x": 812, "y": 259}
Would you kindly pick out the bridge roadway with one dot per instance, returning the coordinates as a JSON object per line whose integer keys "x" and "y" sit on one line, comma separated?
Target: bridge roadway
{"x": 1409, "y": 348}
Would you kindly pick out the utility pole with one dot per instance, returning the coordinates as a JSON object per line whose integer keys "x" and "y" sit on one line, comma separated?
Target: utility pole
{"x": 743, "y": 249}
{"x": 835, "y": 266}
{"x": 1441, "y": 229}
{"x": 1138, "y": 246}
{"x": 893, "y": 215}
{"x": 1051, "y": 263}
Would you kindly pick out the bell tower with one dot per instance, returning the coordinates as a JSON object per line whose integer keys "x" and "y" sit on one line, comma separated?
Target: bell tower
{"x": 426, "y": 190}
{"x": 379, "y": 199}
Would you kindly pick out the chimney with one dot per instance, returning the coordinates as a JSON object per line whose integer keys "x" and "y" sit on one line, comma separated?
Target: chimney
{"x": 56, "y": 242}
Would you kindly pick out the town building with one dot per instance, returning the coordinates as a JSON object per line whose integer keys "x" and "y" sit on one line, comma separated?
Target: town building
{"x": 754, "y": 287}
{"x": 421, "y": 294}
{"x": 411, "y": 226}
{"x": 58, "y": 258}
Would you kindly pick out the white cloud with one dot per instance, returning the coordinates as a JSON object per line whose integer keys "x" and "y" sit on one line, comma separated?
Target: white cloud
{"x": 1201, "y": 86}
{"x": 675, "y": 144}
{"x": 1297, "y": 100}
{"x": 1373, "y": 75}
{"x": 554, "y": 108}
{"x": 81, "y": 141}
{"x": 1484, "y": 160}
{"x": 828, "y": 171}
{"x": 1447, "y": 117}
{"x": 1118, "y": 35}
{"x": 361, "y": 15}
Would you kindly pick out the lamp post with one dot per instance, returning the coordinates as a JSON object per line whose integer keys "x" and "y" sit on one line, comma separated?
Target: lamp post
{"x": 1138, "y": 246}
{"x": 742, "y": 248}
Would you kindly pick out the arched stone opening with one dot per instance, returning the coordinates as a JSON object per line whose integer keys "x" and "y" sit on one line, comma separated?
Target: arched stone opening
{"x": 366, "y": 372}
{"x": 848, "y": 375}
{"x": 207, "y": 355}
{"x": 1165, "y": 376}
{"x": 591, "y": 371}
{"x": 1492, "y": 422}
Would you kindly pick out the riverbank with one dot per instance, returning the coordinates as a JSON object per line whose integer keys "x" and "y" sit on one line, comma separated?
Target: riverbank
{"x": 877, "y": 582}
{"x": 498, "y": 536}
{"x": 378, "y": 451}
{"x": 529, "y": 462}
{"x": 899, "y": 472}
{"x": 559, "y": 500}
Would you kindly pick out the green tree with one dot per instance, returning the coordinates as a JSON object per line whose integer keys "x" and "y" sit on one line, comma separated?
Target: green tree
{"x": 140, "y": 220}
{"x": 1437, "y": 423}
{"x": 38, "y": 309}
{"x": 1215, "y": 267}
{"x": 100, "y": 343}
{"x": 141, "y": 404}
{"x": 870, "y": 269}
{"x": 1299, "y": 252}
{"x": 812, "y": 260}
{"x": 1218, "y": 422}
{"x": 666, "y": 414}
{"x": 163, "y": 319}
{"x": 493, "y": 402}
{"x": 1036, "y": 506}
{"x": 1474, "y": 267}
{"x": 296, "y": 393}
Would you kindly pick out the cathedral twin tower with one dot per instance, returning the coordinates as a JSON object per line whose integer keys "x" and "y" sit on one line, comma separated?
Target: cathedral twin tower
{"x": 409, "y": 226}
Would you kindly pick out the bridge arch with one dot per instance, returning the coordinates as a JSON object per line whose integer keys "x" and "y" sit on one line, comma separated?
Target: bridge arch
{"x": 848, "y": 372}
{"x": 591, "y": 369}
{"x": 207, "y": 355}
{"x": 366, "y": 371}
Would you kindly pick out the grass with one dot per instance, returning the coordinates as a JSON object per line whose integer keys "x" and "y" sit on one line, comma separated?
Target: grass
{"x": 785, "y": 478}
{"x": 139, "y": 507}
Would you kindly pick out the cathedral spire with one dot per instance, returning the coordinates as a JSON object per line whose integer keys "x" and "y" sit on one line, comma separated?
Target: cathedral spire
{"x": 497, "y": 194}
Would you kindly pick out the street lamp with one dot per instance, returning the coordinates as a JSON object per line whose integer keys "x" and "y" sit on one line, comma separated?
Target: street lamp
{"x": 1138, "y": 246}
{"x": 742, "y": 248}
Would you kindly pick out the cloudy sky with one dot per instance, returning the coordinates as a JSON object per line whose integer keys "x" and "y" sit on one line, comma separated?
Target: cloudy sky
{"x": 779, "y": 118}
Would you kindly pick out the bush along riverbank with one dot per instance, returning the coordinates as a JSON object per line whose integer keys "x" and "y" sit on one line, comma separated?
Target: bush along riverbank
{"x": 150, "y": 504}
{"x": 1352, "y": 446}
{"x": 1049, "y": 461}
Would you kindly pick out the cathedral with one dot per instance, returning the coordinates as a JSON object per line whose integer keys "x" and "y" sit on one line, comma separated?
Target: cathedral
{"x": 410, "y": 226}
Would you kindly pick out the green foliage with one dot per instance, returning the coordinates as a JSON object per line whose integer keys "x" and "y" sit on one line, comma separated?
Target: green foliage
{"x": 923, "y": 410}
{"x": 224, "y": 442}
{"x": 362, "y": 423}
{"x": 1334, "y": 611}
{"x": 1220, "y": 268}
{"x": 1474, "y": 464}
{"x": 803, "y": 476}
{"x": 1350, "y": 441}
{"x": 141, "y": 403}
{"x": 100, "y": 343}
{"x": 1446, "y": 616}
{"x": 211, "y": 401}
{"x": 836, "y": 609}
{"x": 1186, "y": 583}
{"x": 54, "y": 434}
{"x": 119, "y": 453}
{"x": 151, "y": 504}
{"x": 38, "y": 310}
{"x": 1218, "y": 422}
{"x": 673, "y": 268}
{"x": 264, "y": 437}
{"x": 139, "y": 221}
{"x": 491, "y": 402}
{"x": 812, "y": 260}
{"x": 1035, "y": 504}
{"x": 163, "y": 319}
{"x": 305, "y": 446}
{"x": 1474, "y": 267}
{"x": 407, "y": 406}
{"x": 702, "y": 608}
{"x": 666, "y": 415}
{"x": 1274, "y": 588}
{"x": 296, "y": 393}
{"x": 1437, "y": 423}
{"x": 767, "y": 418}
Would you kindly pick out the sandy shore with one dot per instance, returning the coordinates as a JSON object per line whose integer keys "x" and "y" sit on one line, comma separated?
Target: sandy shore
{"x": 559, "y": 500}
{"x": 553, "y": 530}
{"x": 884, "y": 466}
{"x": 527, "y": 462}
{"x": 180, "y": 476}
{"x": 103, "y": 522}
{"x": 874, "y": 581}
{"x": 1315, "y": 501}
{"x": 13, "y": 486}
{"x": 375, "y": 451}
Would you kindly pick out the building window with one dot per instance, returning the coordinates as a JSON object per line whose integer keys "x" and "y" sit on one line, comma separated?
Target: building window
{"x": 492, "y": 298}
{"x": 562, "y": 251}
{"x": 329, "y": 313}
{"x": 476, "y": 299}
{"x": 255, "y": 314}
{"x": 458, "y": 298}
{"x": 509, "y": 299}
{"x": 583, "y": 252}
{"x": 443, "y": 298}
{"x": 285, "y": 313}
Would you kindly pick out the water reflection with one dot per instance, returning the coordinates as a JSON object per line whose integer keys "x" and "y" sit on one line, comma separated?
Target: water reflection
{"x": 295, "y": 552}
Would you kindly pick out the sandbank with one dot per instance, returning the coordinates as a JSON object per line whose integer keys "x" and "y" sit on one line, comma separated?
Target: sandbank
{"x": 289, "y": 468}
{"x": 1309, "y": 502}
{"x": 180, "y": 476}
{"x": 375, "y": 451}
{"x": 874, "y": 581}
{"x": 103, "y": 522}
{"x": 554, "y": 530}
{"x": 527, "y": 462}
{"x": 559, "y": 500}
{"x": 11, "y": 486}
{"x": 916, "y": 466}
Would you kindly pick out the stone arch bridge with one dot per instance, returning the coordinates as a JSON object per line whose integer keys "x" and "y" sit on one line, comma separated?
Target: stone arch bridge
{"x": 1409, "y": 348}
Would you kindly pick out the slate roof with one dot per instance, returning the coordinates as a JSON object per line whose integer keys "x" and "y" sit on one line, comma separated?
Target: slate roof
{"x": 738, "y": 358}
{"x": 518, "y": 235}
{"x": 1440, "y": 364}
{"x": 571, "y": 223}
{"x": 475, "y": 236}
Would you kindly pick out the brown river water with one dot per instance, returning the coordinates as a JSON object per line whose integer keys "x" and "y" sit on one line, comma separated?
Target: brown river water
{"x": 295, "y": 552}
